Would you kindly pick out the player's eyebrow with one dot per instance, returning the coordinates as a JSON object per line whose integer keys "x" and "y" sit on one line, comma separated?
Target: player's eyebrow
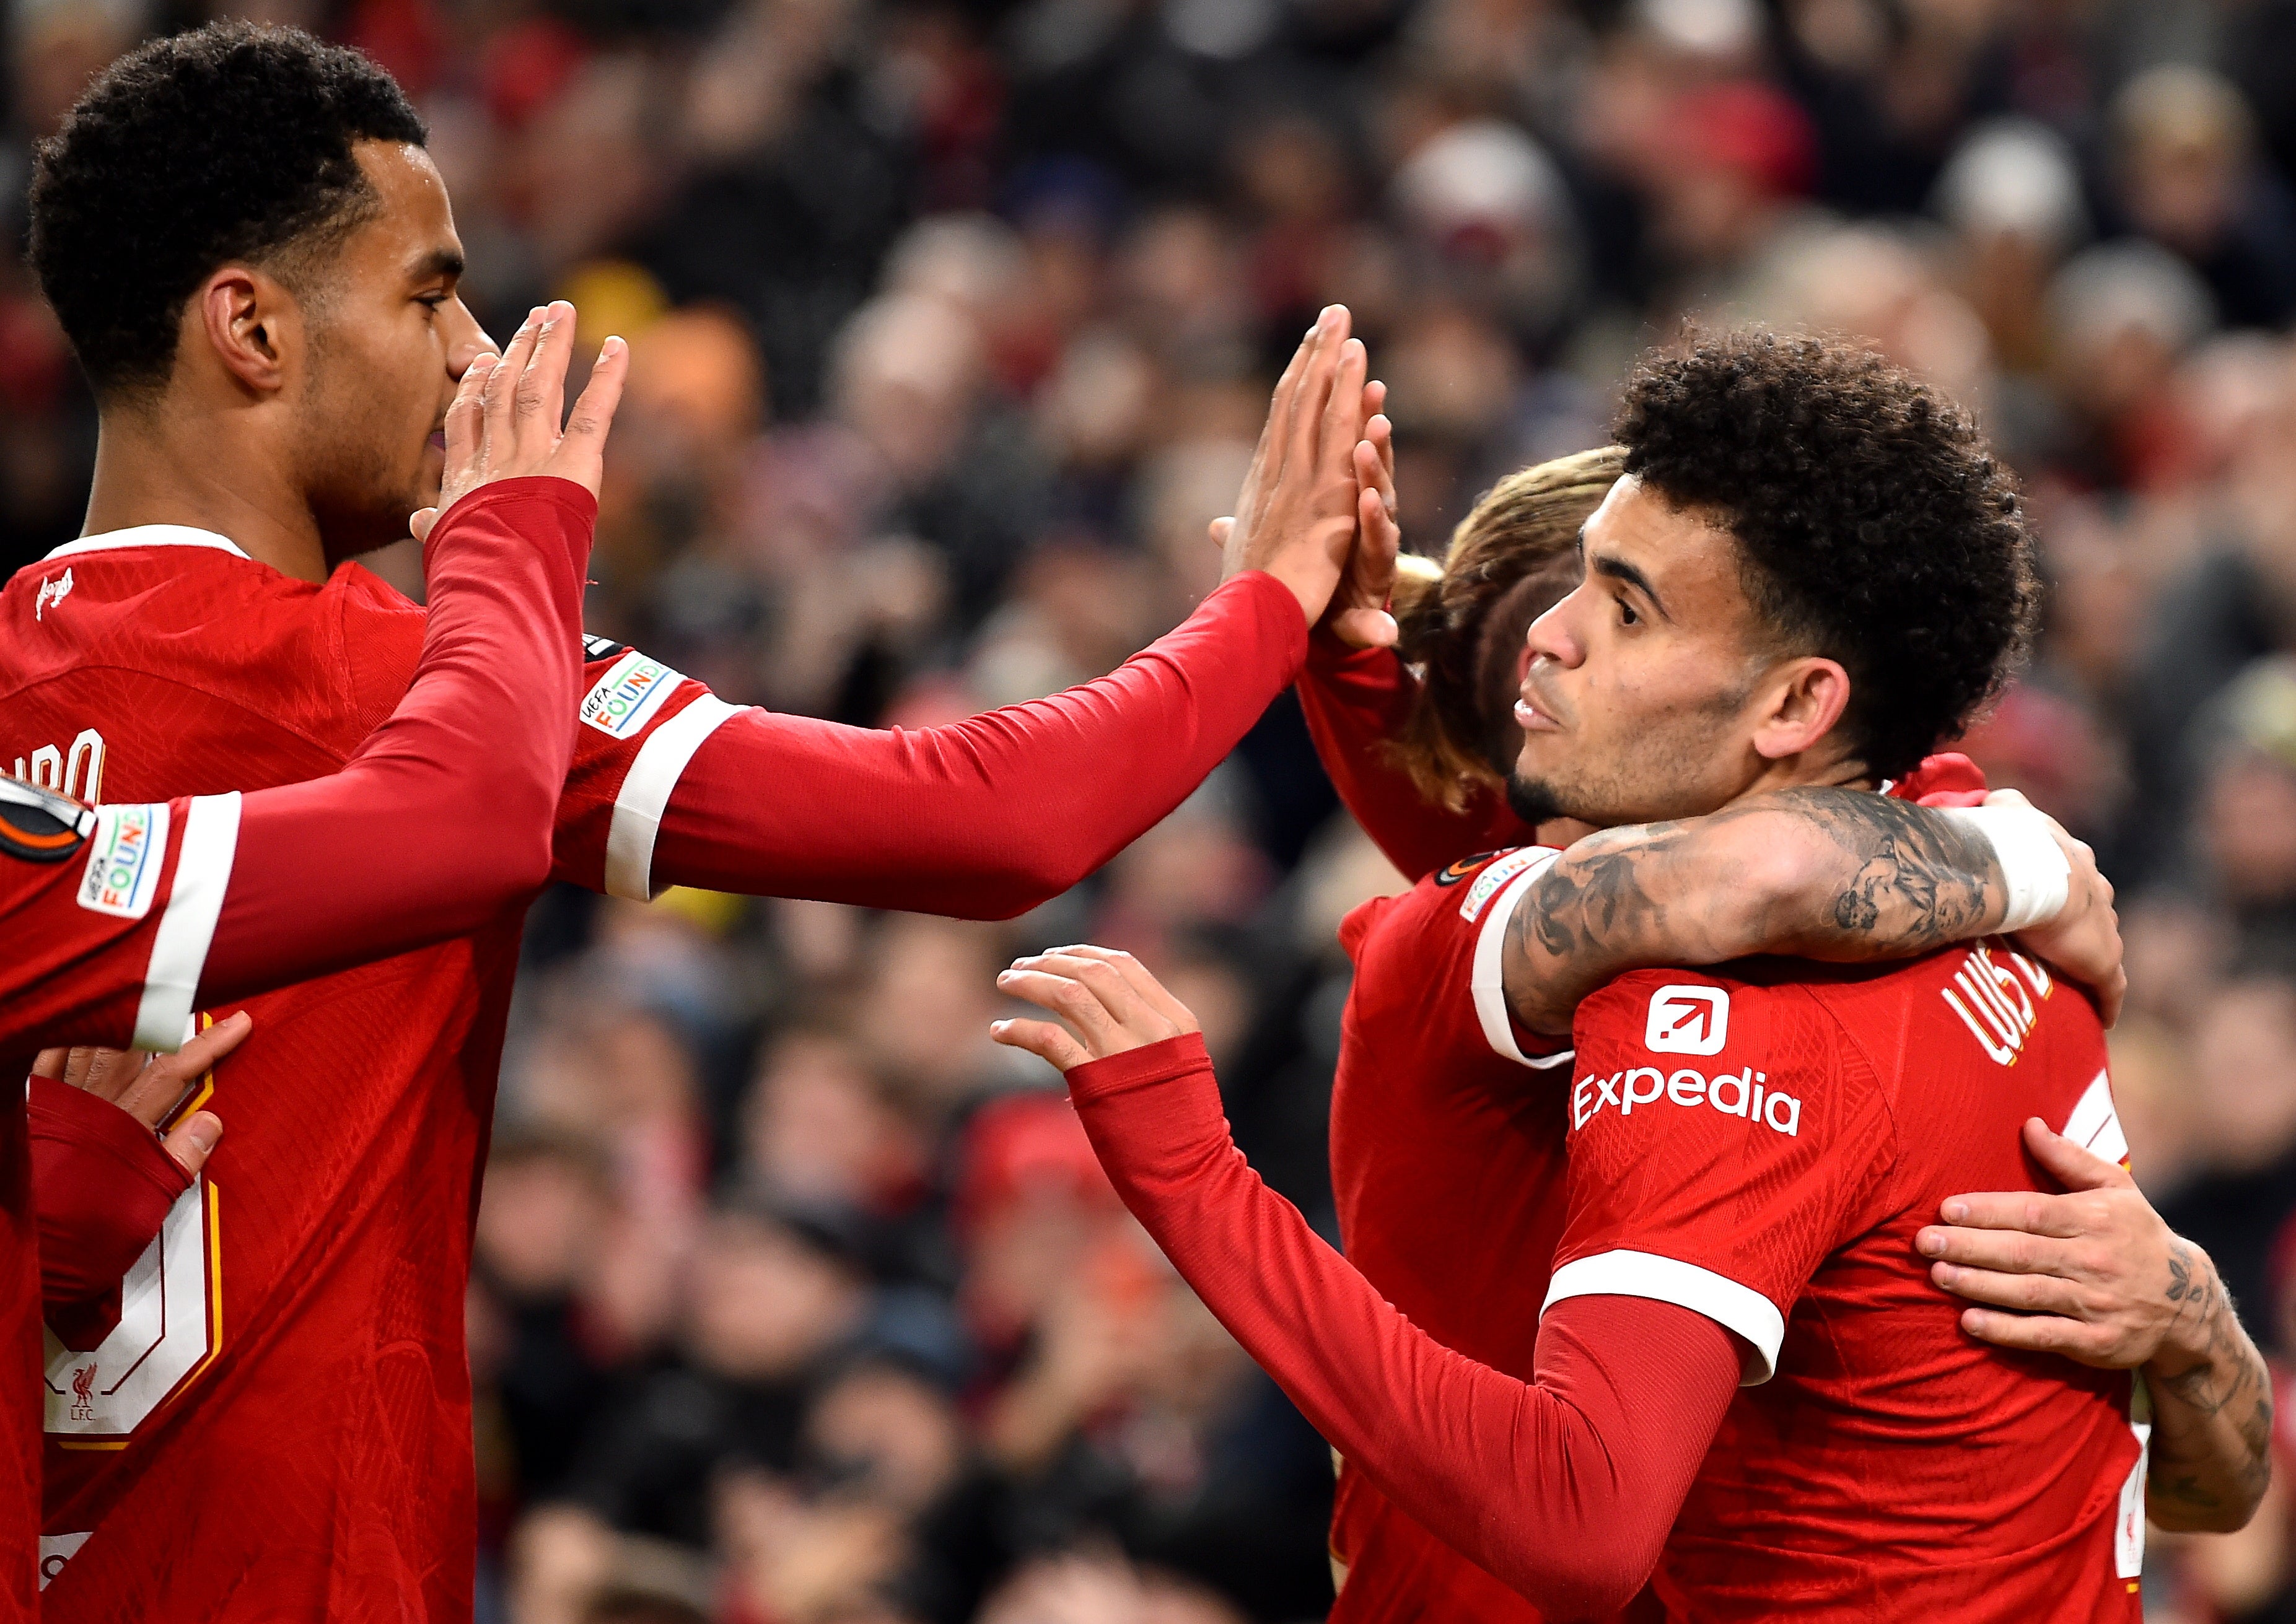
{"x": 1619, "y": 569}
{"x": 447, "y": 263}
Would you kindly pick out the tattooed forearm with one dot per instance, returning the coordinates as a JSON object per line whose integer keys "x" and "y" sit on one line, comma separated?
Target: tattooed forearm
{"x": 2212, "y": 1405}
{"x": 1921, "y": 879}
{"x": 1823, "y": 873}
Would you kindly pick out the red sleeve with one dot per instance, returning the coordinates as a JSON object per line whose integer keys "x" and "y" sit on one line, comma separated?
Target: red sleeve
{"x": 1563, "y": 1487}
{"x": 1355, "y": 699}
{"x": 984, "y": 819}
{"x": 441, "y": 819}
{"x": 102, "y": 1185}
{"x": 83, "y": 896}
{"x": 437, "y": 823}
{"x": 1723, "y": 1139}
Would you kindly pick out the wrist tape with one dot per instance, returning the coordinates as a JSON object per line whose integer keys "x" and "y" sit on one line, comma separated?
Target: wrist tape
{"x": 2034, "y": 871}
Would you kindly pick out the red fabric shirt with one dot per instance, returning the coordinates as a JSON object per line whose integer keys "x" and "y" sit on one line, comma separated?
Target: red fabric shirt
{"x": 300, "y": 1346}
{"x": 1760, "y": 1147}
{"x": 1448, "y": 1163}
{"x": 121, "y": 915}
{"x": 1356, "y": 700}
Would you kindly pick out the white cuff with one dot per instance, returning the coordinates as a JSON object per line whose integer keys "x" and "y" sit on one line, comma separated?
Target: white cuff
{"x": 2033, "y": 866}
{"x": 179, "y": 947}
{"x": 1487, "y": 977}
{"x": 1722, "y": 1300}
{"x": 647, "y": 789}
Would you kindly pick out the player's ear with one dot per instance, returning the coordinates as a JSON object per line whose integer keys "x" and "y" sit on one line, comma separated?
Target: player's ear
{"x": 1803, "y": 701}
{"x": 249, "y": 323}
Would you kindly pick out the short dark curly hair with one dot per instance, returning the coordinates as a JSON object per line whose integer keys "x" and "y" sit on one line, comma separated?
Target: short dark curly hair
{"x": 1876, "y": 527}
{"x": 228, "y": 143}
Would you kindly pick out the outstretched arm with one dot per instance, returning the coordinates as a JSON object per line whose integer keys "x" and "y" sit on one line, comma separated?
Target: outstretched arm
{"x": 1562, "y": 1486}
{"x": 2095, "y": 1275}
{"x": 989, "y": 817}
{"x": 1829, "y": 873}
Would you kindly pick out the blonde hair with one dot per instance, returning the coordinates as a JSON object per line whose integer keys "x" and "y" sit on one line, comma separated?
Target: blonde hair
{"x": 1527, "y": 522}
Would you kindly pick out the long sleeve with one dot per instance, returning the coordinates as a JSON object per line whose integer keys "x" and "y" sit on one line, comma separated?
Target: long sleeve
{"x": 988, "y": 817}
{"x": 102, "y": 1187}
{"x": 1355, "y": 699}
{"x": 1563, "y": 1487}
{"x": 442, "y": 817}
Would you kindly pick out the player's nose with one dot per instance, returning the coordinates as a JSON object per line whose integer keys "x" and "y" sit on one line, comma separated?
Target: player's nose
{"x": 467, "y": 340}
{"x": 1552, "y": 636}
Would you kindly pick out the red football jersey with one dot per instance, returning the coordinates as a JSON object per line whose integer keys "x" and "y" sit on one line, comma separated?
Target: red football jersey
{"x": 308, "y": 1283}
{"x": 1447, "y": 1167}
{"x": 1760, "y": 1147}
{"x": 108, "y": 914}
{"x": 108, "y": 911}
{"x": 297, "y": 1345}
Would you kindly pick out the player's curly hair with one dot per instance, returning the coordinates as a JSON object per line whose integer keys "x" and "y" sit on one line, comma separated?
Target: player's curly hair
{"x": 1877, "y": 527}
{"x": 1527, "y": 524}
{"x": 228, "y": 143}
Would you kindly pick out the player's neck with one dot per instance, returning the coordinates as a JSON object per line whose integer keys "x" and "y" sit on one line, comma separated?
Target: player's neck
{"x": 159, "y": 470}
{"x": 1818, "y": 769}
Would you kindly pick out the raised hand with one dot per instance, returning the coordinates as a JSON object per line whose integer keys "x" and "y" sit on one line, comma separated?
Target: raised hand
{"x": 505, "y": 421}
{"x": 1296, "y": 514}
{"x": 1107, "y": 996}
{"x": 1357, "y": 614}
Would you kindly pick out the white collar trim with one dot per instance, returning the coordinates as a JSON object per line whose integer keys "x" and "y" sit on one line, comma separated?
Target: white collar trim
{"x": 148, "y": 535}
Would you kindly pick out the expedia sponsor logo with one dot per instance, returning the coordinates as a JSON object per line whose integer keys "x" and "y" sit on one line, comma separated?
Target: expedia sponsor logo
{"x": 1687, "y": 1021}
{"x": 1644, "y": 1088}
{"x": 624, "y": 699}
{"x": 124, "y": 860}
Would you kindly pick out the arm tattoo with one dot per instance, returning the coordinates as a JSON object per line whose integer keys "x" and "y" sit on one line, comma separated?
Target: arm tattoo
{"x": 2229, "y": 1382}
{"x": 1885, "y": 879}
{"x": 1906, "y": 880}
{"x": 1920, "y": 878}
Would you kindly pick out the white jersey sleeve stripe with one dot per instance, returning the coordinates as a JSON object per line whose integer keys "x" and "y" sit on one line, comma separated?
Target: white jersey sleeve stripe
{"x": 661, "y": 761}
{"x": 179, "y": 947}
{"x": 1722, "y": 1300}
{"x": 1488, "y": 974}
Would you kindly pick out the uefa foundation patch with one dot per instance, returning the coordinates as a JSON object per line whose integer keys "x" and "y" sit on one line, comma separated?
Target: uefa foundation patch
{"x": 1492, "y": 880}
{"x": 620, "y": 703}
{"x": 124, "y": 860}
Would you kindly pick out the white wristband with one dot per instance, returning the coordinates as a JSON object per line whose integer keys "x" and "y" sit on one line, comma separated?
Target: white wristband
{"x": 2033, "y": 867}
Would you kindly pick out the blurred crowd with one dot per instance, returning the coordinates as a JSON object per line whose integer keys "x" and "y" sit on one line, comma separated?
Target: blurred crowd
{"x": 953, "y": 321}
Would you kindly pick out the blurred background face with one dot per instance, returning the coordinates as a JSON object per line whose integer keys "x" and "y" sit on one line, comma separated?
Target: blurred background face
{"x": 1634, "y": 705}
{"x": 762, "y": 1304}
